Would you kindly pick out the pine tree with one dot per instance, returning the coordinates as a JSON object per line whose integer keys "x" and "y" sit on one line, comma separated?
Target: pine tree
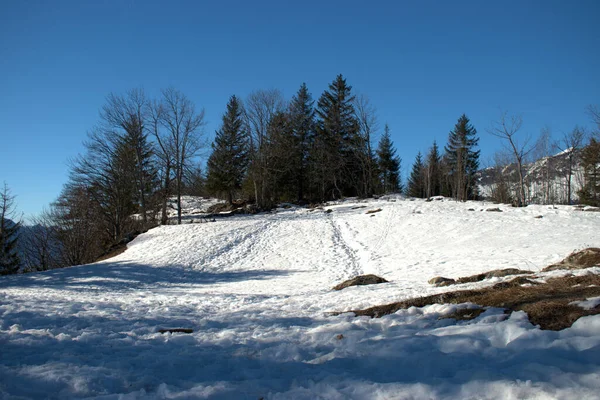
{"x": 336, "y": 160}
{"x": 388, "y": 164}
{"x": 416, "y": 181}
{"x": 463, "y": 160}
{"x": 229, "y": 159}
{"x": 590, "y": 161}
{"x": 433, "y": 179}
{"x": 9, "y": 234}
{"x": 302, "y": 125}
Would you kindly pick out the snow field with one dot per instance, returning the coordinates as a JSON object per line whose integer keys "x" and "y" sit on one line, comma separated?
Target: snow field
{"x": 256, "y": 290}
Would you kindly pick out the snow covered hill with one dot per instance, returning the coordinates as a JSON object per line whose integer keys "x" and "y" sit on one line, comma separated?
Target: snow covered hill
{"x": 256, "y": 291}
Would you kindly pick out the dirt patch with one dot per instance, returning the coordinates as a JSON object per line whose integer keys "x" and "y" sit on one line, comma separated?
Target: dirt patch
{"x": 359, "y": 281}
{"x": 440, "y": 281}
{"x": 547, "y": 304}
{"x": 586, "y": 258}
{"x": 497, "y": 273}
{"x": 373, "y": 211}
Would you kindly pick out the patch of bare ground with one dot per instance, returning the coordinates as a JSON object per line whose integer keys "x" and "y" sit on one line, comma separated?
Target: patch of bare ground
{"x": 585, "y": 258}
{"x": 546, "y": 304}
{"x": 497, "y": 273}
{"x": 373, "y": 211}
{"x": 369, "y": 279}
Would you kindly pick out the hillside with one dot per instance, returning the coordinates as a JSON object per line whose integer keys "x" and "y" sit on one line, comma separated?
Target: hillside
{"x": 255, "y": 291}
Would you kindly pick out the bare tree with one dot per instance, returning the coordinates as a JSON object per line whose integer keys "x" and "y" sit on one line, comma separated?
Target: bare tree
{"x": 542, "y": 152}
{"x": 9, "y": 233}
{"x": 155, "y": 112}
{"x": 124, "y": 116}
{"x": 260, "y": 108}
{"x": 41, "y": 245}
{"x": 366, "y": 116}
{"x": 571, "y": 144}
{"x": 507, "y": 129}
{"x": 183, "y": 137}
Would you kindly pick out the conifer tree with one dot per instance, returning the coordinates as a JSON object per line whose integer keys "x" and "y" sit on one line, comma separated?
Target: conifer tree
{"x": 388, "y": 164}
{"x": 228, "y": 162}
{"x": 9, "y": 234}
{"x": 416, "y": 181}
{"x": 302, "y": 125}
{"x": 433, "y": 179}
{"x": 337, "y": 164}
{"x": 463, "y": 159}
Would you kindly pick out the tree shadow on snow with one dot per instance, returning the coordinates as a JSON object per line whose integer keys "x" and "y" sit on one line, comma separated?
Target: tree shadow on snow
{"x": 127, "y": 275}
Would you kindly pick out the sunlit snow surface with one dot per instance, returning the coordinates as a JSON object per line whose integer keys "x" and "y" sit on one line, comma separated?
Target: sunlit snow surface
{"x": 256, "y": 290}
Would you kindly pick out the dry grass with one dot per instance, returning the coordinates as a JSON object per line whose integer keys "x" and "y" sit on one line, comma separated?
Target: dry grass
{"x": 546, "y": 304}
{"x": 373, "y": 211}
{"x": 580, "y": 259}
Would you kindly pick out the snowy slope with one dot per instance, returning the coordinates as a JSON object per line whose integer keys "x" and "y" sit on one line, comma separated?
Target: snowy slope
{"x": 256, "y": 290}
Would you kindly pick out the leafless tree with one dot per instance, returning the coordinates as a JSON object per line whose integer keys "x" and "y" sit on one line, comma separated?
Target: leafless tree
{"x": 542, "y": 152}
{"x": 571, "y": 144}
{"x": 78, "y": 226}
{"x": 124, "y": 116}
{"x": 366, "y": 115}
{"x": 260, "y": 108}
{"x": 41, "y": 245}
{"x": 183, "y": 138}
{"x": 9, "y": 233}
{"x": 507, "y": 129}
{"x": 155, "y": 113}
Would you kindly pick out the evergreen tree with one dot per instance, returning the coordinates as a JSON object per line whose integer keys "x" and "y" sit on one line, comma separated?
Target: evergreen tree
{"x": 590, "y": 161}
{"x": 335, "y": 156}
{"x": 433, "y": 179}
{"x": 388, "y": 164}
{"x": 463, "y": 159}
{"x": 229, "y": 159}
{"x": 416, "y": 181}
{"x": 9, "y": 234}
{"x": 302, "y": 125}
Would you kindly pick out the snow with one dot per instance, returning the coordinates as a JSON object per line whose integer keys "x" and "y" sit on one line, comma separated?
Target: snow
{"x": 588, "y": 304}
{"x": 256, "y": 290}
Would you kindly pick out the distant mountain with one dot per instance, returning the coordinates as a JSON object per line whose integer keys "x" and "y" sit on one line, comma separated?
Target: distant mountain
{"x": 545, "y": 179}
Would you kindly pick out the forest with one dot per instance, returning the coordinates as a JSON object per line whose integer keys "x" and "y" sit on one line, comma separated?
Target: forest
{"x": 143, "y": 152}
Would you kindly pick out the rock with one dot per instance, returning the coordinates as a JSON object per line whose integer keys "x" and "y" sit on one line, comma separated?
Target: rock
{"x": 495, "y": 209}
{"x": 360, "y": 280}
{"x": 373, "y": 211}
{"x": 440, "y": 281}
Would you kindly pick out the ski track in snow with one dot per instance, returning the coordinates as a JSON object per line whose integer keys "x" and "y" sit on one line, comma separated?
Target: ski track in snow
{"x": 256, "y": 290}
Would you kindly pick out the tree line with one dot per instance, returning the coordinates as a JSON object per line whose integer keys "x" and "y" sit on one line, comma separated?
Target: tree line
{"x": 143, "y": 156}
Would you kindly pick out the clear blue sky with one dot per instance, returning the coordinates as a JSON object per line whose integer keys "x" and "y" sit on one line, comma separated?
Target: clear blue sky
{"x": 422, "y": 63}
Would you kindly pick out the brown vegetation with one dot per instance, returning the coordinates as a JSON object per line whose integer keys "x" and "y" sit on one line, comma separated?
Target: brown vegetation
{"x": 547, "y": 305}
{"x": 578, "y": 260}
{"x": 369, "y": 279}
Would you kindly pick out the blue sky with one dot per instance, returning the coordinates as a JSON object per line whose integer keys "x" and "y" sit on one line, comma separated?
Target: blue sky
{"x": 422, "y": 64}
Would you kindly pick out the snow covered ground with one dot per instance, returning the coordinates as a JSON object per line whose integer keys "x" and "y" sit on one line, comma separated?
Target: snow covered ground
{"x": 256, "y": 290}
